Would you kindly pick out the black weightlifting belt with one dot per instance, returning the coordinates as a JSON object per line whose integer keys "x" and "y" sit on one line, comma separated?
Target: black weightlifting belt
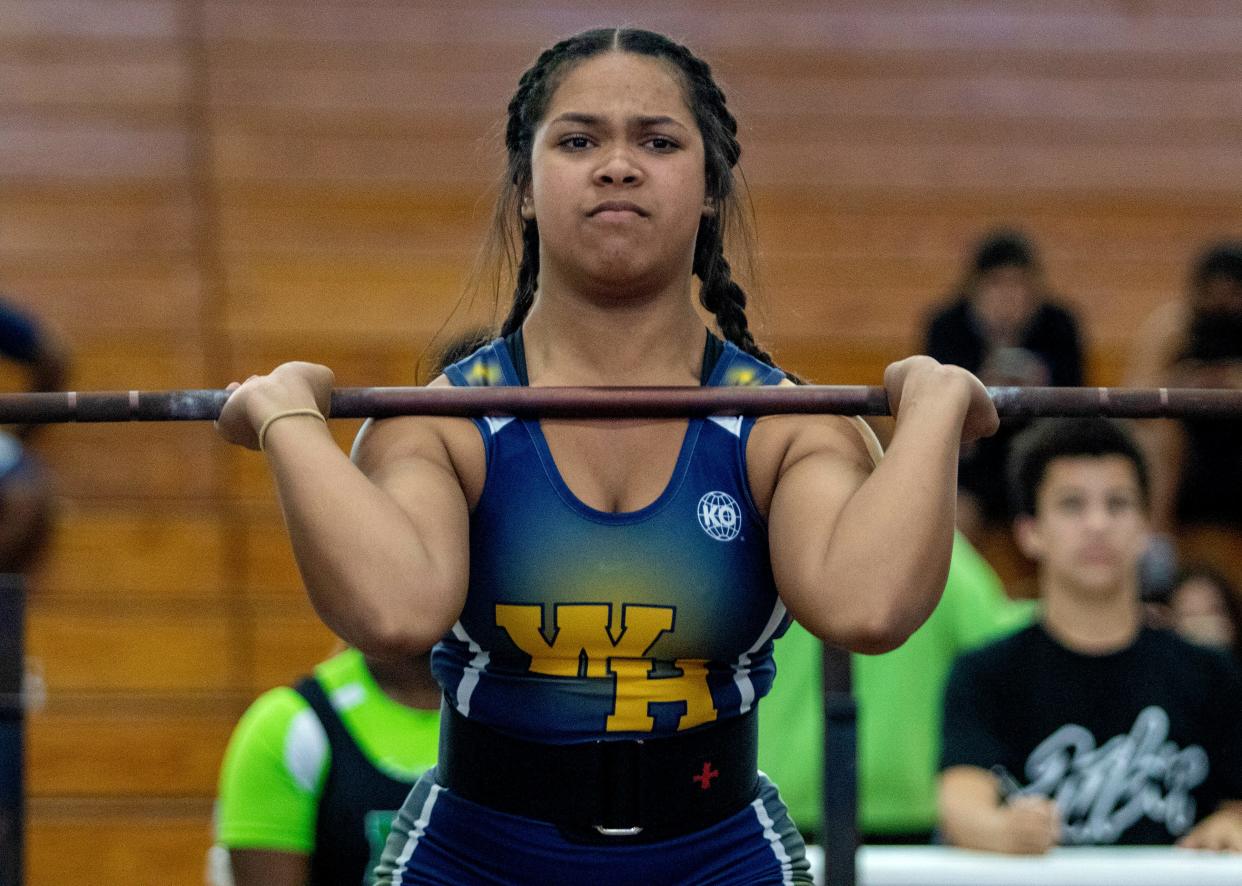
{"x": 606, "y": 791}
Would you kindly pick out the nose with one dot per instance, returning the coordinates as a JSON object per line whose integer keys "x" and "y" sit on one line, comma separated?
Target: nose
{"x": 617, "y": 167}
{"x": 1097, "y": 518}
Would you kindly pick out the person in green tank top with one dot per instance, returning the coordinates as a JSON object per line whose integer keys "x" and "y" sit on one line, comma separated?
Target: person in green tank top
{"x": 288, "y": 813}
{"x": 899, "y": 697}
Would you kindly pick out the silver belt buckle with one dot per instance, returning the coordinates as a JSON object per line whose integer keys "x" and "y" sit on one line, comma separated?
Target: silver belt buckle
{"x": 618, "y": 832}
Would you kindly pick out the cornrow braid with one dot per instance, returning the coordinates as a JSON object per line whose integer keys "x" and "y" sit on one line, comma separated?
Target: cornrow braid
{"x": 527, "y": 279}
{"x": 720, "y": 294}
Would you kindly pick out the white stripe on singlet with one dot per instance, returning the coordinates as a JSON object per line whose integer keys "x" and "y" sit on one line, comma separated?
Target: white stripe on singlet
{"x": 778, "y": 848}
{"x": 470, "y": 674}
{"x": 416, "y": 833}
{"x": 741, "y": 668}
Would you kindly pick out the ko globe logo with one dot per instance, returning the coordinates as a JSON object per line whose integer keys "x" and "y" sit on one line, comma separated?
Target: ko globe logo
{"x": 720, "y": 516}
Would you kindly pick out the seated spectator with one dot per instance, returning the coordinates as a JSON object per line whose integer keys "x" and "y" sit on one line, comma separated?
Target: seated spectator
{"x": 1204, "y": 609}
{"x": 1089, "y": 727}
{"x": 1197, "y": 464}
{"x": 313, "y": 775}
{"x": 898, "y": 697}
{"x": 26, "y": 498}
{"x": 1002, "y": 324}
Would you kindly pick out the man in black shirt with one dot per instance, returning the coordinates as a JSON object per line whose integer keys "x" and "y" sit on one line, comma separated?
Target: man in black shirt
{"x": 1089, "y": 728}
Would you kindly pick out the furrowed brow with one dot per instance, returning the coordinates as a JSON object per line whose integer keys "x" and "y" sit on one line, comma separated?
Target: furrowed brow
{"x": 641, "y": 122}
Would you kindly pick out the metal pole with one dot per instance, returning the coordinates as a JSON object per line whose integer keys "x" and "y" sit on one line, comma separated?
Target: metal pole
{"x": 618, "y": 402}
{"x": 840, "y": 776}
{"x": 12, "y": 728}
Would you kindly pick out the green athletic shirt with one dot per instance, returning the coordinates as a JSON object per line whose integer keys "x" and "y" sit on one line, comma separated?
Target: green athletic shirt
{"x": 277, "y": 760}
{"x": 899, "y": 698}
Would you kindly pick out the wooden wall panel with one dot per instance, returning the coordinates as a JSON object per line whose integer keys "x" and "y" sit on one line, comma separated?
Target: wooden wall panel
{"x": 123, "y": 551}
{"x": 112, "y": 646}
{"x": 90, "y": 845}
{"x": 148, "y": 753}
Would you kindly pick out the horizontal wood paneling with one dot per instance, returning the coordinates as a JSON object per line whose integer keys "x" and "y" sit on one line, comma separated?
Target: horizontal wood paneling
{"x": 111, "y": 645}
{"x": 146, "y": 753}
{"x": 86, "y": 844}
{"x": 124, "y": 551}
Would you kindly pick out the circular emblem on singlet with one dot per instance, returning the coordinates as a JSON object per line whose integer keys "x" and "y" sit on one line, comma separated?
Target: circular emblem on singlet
{"x": 720, "y": 516}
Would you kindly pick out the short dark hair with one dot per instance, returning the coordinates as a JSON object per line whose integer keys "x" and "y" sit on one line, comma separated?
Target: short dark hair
{"x": 1053, "y": 438}
{"x": 1004, "y": 248}
{"x": 1219, "y": 260}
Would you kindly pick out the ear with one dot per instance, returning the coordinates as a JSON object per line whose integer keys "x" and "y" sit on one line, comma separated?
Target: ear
{"x": 1030, "y": 540}
{"x": 709, "y": 209}
{"x": 527, "y": 208}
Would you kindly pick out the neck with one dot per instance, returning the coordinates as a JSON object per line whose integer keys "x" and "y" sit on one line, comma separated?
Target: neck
{"x": 643, "y": 338}
{"x": 408, "y": 682}
{"x": 1094, "y": 624}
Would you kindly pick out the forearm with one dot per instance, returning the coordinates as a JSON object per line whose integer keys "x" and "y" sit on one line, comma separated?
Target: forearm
{"x": 972, "y": 815}
{"x": 371, "y": 570}
{"x": 972, "y": 822}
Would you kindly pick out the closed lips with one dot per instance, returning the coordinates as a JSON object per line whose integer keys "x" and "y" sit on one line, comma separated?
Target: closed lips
{"x": 618, "y": 206}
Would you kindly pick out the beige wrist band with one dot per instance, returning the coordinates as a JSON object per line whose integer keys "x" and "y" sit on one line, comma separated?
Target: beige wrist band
{"x": 304, "y": 410}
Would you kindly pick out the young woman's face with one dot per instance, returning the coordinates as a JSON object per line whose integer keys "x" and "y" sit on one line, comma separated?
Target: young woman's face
{"x": 617, "y": 184}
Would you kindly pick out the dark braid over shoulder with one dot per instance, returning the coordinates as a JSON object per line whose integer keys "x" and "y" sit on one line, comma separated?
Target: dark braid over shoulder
{"x": 718, "y": 293}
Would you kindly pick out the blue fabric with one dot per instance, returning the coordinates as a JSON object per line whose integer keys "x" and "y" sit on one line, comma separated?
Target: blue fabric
{"x": 439, "y": 838}
{"x": 581, "y": 624}
{"x": 19, "y": 335}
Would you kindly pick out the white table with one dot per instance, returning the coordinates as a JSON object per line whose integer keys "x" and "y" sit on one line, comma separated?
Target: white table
{"x": 1086, "y": 866}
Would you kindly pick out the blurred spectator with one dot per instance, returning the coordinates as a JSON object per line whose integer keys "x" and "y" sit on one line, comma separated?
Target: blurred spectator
{"x": 26, "y": 501}
{"x": 1003, "y": 324}
{"x": 314, "y": 775}
{"x": 1089, "y": 727}
{"x": 898, "y": 697}
{"x": 1197, "y": 464}
{"x": 1204, "y": 609}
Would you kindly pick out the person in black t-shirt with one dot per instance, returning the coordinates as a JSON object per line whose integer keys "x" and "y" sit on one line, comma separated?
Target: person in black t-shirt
{"x": 1003, "y": 324}
{"x": 1088, "y": 727}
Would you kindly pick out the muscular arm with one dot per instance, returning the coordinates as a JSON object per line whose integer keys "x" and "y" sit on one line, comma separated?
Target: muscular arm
{"x": 382, "y": 546}
{"x": 860, "y": 555}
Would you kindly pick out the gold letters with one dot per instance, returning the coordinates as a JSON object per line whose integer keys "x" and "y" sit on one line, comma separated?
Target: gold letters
{"x": 585, "y": 643}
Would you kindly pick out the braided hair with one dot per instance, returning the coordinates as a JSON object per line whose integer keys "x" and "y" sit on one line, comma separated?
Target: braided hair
{"x": 718, "y": 292}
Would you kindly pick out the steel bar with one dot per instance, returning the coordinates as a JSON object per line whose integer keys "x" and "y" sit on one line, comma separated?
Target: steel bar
{"x": 619, "y": 402}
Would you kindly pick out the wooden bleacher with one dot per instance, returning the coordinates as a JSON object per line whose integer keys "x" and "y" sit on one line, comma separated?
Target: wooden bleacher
{"x": 194, "y": 190}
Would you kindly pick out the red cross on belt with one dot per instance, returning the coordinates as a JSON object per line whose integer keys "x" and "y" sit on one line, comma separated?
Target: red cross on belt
{"x": 705, "y": 778}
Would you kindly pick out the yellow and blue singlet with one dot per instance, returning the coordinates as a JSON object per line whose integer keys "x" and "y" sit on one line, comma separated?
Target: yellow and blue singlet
{"x": 581, "y": 624}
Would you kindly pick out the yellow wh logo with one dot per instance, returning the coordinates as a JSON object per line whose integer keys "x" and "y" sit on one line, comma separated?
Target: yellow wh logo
{"x": 588, "y": 641}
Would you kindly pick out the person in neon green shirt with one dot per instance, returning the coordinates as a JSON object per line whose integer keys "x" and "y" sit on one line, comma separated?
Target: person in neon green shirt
{"x": 313, "y": 775}
{"x": 899, "y": 699}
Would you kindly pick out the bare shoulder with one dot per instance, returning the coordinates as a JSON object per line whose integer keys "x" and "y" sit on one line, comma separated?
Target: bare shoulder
{"x": 394, "y": 445}
{"x": 1157, "y": 342}
{"x": 780, "y": 441}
